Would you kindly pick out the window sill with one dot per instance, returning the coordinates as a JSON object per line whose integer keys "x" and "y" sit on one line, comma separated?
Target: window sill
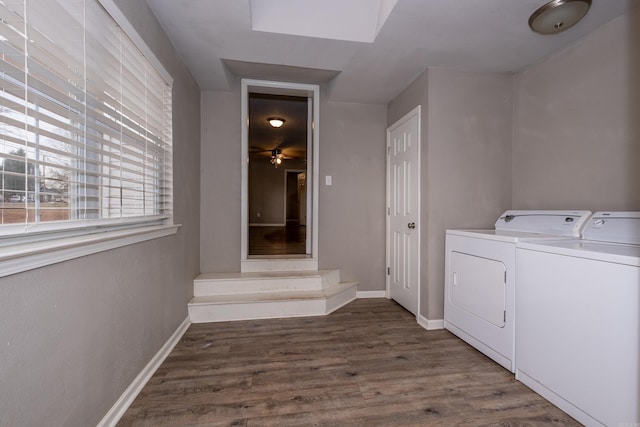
{"x": 27, "y": 256}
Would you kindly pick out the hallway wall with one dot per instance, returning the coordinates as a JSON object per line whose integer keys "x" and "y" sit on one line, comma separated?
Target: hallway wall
{"x": 267, "y": 189}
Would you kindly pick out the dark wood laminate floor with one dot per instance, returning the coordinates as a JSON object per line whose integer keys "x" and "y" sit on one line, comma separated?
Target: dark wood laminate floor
{"x": 367, "y": 364}
{"x": 277, "y": 240}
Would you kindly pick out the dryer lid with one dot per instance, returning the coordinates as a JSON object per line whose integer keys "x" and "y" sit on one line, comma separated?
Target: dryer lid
{"x": 555, "y": 222}
{"x": 614, "y": 227}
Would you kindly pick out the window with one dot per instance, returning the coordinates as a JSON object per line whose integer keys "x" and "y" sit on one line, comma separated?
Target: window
{"x": 85, "y": 133}
{"x": 85, "y": 121}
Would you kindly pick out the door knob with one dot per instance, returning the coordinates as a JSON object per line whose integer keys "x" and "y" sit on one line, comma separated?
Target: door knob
{"x": 411, "y": 225}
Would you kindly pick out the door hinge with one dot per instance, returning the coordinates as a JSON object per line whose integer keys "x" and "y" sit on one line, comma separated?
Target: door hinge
{"x": 504, "y": 318}
{"x": 388, "y": 271}
{"x": 505, "y": 277}
{"x": 388, "y": 211}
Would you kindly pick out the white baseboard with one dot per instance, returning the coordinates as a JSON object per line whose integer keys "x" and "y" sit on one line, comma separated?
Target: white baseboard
{"x": 371, "y": 294}
{"x": 430, "y": 325}
{"x": 126, "y": 399}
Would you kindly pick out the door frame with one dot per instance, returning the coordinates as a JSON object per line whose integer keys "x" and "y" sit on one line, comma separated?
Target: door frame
{"x": 416, "y": 112}
{"x": 286, "y": 189}
{"x": 311, "y": 92}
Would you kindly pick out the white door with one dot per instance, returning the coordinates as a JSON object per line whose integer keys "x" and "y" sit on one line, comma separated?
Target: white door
{"x": 403, "y": 211}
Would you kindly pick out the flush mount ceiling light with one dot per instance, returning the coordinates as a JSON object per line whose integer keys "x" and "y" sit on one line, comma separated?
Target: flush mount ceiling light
{"x": 558, "y": 15}
{"x": 275, "y": 122}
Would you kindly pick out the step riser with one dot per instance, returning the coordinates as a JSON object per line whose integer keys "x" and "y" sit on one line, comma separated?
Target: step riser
{"x": 262, "y": 265}
{"x": 226, "y": 287}
{"x": 265, "y": 284}
{"x": 255, "y": 310}
{"x": 221, "y": 297}
{"x": 340, "y": 299}
{"x": 203, "y": 313}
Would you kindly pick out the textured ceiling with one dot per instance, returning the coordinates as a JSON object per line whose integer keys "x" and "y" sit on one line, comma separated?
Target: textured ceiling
{"x": 216, "y": 41}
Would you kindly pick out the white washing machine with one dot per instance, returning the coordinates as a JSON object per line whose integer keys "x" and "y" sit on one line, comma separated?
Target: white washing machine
{"x": 480, "y": 276}
{"x": 578, "y": 320}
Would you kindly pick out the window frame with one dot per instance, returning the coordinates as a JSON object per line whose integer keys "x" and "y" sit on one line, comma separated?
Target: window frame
{"x": 25, "y": 246}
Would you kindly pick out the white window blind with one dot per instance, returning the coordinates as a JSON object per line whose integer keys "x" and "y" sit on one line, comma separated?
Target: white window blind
{"x": 85, "y": 119}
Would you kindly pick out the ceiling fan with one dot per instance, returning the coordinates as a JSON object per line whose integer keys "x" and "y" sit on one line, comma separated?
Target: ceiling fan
{"x": 278, "y": 154}
{"x": 276, "y": 157}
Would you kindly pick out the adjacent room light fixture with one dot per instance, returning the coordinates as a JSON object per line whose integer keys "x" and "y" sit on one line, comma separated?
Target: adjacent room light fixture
{"x": 275, "y": 122}
{"x": 558, "y": 15}
{"x": 276, "y": 157}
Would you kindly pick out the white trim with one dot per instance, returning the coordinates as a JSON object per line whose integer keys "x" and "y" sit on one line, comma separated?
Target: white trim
{"x": 14, "y": 234}
{"x": 244, "y": 171}
{"x": 430, "y": 325}
{"x": 122, "y": 21}
{"x": 118, "y": 409}
{"x": 283, "y": 88}
{"x": 417, "y": 113}
{"x": 27, "y": 256}
{"x": 314, "y": 177}
{"x": 311, "y": 155}
{"x": 371, "y": 294}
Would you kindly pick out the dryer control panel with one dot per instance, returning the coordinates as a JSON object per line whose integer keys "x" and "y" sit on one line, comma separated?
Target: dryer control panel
{"x": 558, "y": 223}
{"x": 614, "y": 227}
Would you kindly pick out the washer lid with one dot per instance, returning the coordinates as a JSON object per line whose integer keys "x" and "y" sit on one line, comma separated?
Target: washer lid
{"x": 560, "y": 223}
{"x": 614, "y": 227}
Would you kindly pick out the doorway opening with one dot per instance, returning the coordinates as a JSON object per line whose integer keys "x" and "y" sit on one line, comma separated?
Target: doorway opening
{"x": 288, "y": 238}
{"x": 296, "y": 199}
{"x": 279, "y": 176}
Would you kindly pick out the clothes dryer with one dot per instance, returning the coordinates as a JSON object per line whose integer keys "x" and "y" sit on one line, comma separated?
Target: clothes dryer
{"x": 480, "y": 280}
{"x": 578, "y": 320}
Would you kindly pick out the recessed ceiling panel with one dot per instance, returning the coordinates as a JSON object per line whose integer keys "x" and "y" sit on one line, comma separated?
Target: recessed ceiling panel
{"x": 279, "y": 72}
{"x": 349, "y": 20}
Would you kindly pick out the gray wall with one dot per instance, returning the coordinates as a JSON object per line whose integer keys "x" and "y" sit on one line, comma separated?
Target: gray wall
{"x": 351, "y": 217}
{"x": 352, "y": 210}
{"x": 220, "y": 182}
{"x": 466, "y": 164}
{"x": 469, "y": 161}
{"x": 577, "y": 127}
{"x": 74, "y": 335}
